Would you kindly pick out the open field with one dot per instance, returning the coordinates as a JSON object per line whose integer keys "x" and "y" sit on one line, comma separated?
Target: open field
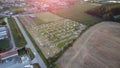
{"x": 17, "y": 35}
{"x": 54, "y": 35}
{"x": 46, "y": 17}
{"x": 98, "y": 47}
{"x": 77, "y": 13}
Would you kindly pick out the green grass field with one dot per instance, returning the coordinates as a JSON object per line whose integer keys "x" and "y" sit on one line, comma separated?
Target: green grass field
{"x": 17, "y": 35}
{"x": 77, "y": 13}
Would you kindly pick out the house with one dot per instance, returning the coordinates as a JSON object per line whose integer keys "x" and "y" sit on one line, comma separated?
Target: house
{"x": 13, "y": 3}
{"x": 8, "y": 54}
{"x": 3, "y": 33}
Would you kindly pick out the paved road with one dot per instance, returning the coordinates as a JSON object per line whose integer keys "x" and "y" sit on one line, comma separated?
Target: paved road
{"x": 37, "y": 58}
{"x": 11, "y": 36}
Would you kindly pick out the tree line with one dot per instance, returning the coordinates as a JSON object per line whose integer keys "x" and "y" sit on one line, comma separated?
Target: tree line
{"x": 110, "y": 11}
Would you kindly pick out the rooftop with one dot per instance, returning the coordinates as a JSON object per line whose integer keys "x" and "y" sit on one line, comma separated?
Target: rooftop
{"x": 9, "y": 53}
{"x": 2, "y": 29}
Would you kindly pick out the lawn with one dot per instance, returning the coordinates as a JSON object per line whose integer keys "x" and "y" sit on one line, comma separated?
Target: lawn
{"x": 17, "y": 35}
{"x": 77, "y": 13}
{"x": 4, "y": 44}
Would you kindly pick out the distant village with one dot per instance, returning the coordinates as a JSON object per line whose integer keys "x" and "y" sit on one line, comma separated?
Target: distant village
{"x": 32, "y": 6}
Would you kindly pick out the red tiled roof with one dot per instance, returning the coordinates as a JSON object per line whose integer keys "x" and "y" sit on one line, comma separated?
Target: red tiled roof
{"x": 9, "y": 53}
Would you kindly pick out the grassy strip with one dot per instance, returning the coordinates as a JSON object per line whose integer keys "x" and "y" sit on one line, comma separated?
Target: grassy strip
{"x": 36, "y": 65}
{"x": 17, "y": 35}
{"x": 36, "y": 47}
{"x": 30, "y": 53}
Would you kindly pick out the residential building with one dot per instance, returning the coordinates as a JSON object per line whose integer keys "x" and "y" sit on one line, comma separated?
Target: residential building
{"x": 8, "y": 54}
{"x": 3, "y": 33}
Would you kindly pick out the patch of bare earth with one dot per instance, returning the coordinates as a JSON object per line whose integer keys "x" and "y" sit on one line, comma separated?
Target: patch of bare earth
{"x": 98, "y": 47}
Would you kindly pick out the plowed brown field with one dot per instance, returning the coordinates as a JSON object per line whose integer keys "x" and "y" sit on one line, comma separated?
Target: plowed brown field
{"x": 99, "y": 47}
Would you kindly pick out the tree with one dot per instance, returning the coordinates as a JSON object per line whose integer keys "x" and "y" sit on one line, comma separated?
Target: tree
{"x": 3, "y": 23}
